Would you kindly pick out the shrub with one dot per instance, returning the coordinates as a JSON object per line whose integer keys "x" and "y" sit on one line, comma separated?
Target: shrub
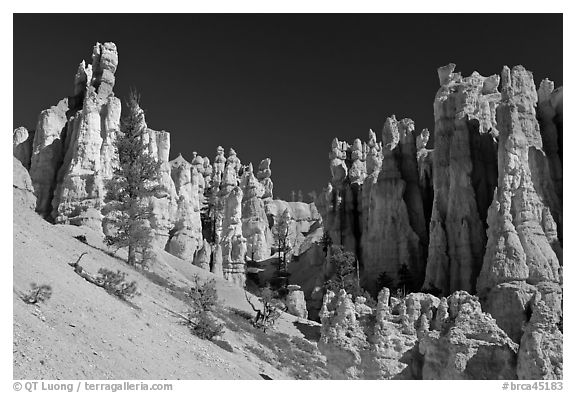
{"x": 115, "y": 283}
{"x": 81, "y": 238}
{"x": 203, "y": 297}
{"x": 204, "y": 325}
{"x": 37, "y": 294}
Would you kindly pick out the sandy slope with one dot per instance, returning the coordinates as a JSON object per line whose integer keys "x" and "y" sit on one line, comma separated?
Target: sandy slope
{"x": 82, "y": 332}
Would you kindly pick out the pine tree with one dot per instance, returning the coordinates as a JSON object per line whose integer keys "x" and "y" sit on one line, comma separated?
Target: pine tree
{"x": 384, "y": 281}
{"x": 405, "y": 279}
{"x": 345, "y": 273}
{"x": 282, "y": 240}
{"x": 132, "y": 184}
{"x": 326, "y": 243}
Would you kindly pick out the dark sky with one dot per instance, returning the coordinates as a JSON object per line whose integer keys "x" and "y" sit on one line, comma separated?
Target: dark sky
{"x": 277, "y": 85}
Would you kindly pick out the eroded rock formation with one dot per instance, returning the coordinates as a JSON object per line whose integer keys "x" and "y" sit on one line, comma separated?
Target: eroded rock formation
{"x": 255, "y": 227}
{"x": 92, "y": 123}
{"x": 186, "y": 234}
{"x": 464, "y": 177}
{"x": 481, "y": 212}
{"x": 395, "y": 229}
{"x": 419, "y": 337}
{"x": 469, "y": 344}
{"x": 541, "y": 350}
{"x": 522, "y": 234}
{"x": 22, "y": 146}
{"x": 295, "y": 302}
{"x": 47, "y": 154}
{"x": 23, "y": 191}
{"x": 373, "y": 205}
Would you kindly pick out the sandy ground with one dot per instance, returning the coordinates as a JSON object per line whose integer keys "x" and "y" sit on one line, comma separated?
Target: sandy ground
{"x": 82, "y": 332}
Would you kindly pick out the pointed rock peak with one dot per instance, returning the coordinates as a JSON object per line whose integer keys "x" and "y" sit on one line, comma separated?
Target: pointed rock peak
{"x": 20, "y": 134}
{"x": 545, "y": 89}
{"x": 519, "y": 81}
{"x": 197, "y": 160}
{"x": 286, "y": 214}
{"x": 231, "y": 152}
{"x": 445, "y": 73}
{"x": 390, "y": 133}
{"x": 406, "y": 126}
{"x": 506, "y": 84}
{"x": 372, "y": 138}
{"x": 335, "y": 143}
{"x": 179, "y": 161}
{"x": 422, "y": 139}
{"x": 490, "y": 85}
{"x": 265, "y": 164}
{"x": 505, "y": 76}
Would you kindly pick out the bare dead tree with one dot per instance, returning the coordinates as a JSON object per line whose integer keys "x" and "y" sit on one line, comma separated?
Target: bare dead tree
{"x": 267, "y": 315}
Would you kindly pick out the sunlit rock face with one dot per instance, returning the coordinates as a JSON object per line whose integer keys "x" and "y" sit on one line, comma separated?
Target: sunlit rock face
{"x": 521, "y": 259}
{"x": 89, "y": 154}
{"x": 541, "y": 350}
{"x": 464, "y": 174}
{"x": 469, "y": 344}
{"x": 186, "y": 234}
{"x": 224, "y": 197}
{"x": 72, "y": 153}
{"x": 419, "y": 337}
{"x": 255, "y": 227}
{"x": 22, "y": 189}
{"x": 22, "y": 146}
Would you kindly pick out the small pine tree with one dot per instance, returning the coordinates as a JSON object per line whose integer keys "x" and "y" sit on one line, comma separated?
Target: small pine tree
{"x": 115, "y": 283}
{"x": 326, "y": 243}
{"x": 203, "y": 296}
{"x": 203, "y": 299}
{"x": 282, "y": 240}
{"x": 132, "y": 184}
{"x": 405, "y": 279}
{"x": 345, "y": 275}
{"x": 384, "y": 280}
